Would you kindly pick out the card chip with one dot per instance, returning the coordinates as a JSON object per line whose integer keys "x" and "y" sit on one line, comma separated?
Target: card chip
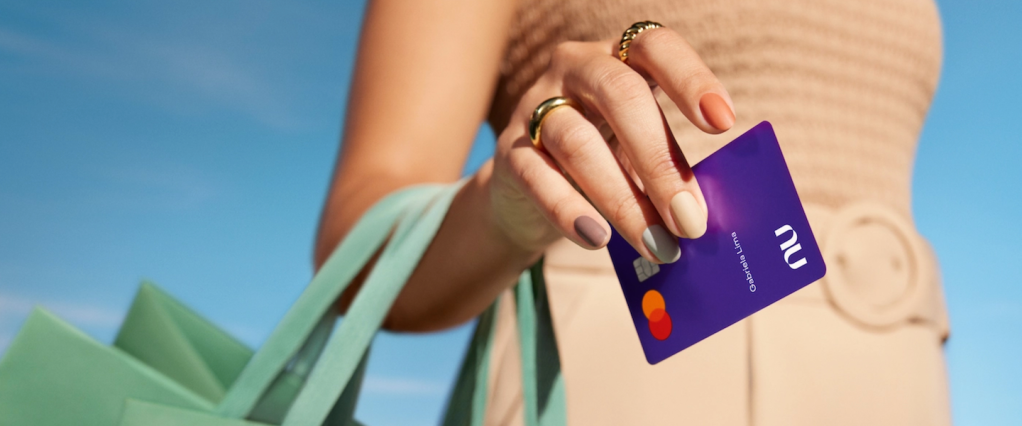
{"x": 645, "y": 269}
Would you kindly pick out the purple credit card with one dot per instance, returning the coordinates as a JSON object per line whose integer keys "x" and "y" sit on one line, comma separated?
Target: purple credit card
{"x": 758, "y": 248}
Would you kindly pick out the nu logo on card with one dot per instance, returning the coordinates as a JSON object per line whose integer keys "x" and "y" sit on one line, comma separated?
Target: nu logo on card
{"x": 790, "y": 247}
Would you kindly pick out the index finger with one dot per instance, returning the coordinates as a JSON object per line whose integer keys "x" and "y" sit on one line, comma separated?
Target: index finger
{"x": 665, "y": 56}
{"x": 621, "y": 97}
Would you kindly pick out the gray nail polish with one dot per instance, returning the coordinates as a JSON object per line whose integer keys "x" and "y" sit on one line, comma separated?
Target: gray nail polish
{"x": 590, "y": 231}
{"x": 663, "y": 245}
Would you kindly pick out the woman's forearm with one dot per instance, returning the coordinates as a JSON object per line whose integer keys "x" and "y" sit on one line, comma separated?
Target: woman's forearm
{"x": 423, "y": 82}
{"x": 523, "y": 200}
{"x": 469, "y": 262}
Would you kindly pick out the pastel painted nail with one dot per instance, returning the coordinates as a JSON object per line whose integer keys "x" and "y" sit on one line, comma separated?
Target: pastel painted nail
{"x": 661, "y": 243}
{"x": 689, "y": 217}
{"x": 716, "y": 111}
{"x": 590, "y": 231}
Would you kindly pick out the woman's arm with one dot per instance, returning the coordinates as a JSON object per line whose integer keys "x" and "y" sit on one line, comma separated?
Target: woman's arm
{"x": 422, "y": 86}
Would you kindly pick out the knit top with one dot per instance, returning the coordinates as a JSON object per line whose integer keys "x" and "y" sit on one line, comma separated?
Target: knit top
{"x": 846, "y": 84}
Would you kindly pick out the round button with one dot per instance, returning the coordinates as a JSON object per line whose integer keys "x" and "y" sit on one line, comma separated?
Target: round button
{"x": 874, "y": 265}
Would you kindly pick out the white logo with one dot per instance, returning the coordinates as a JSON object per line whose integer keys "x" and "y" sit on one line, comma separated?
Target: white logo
{"x": 790, "y": 247}
{"x": 645, "y": 269}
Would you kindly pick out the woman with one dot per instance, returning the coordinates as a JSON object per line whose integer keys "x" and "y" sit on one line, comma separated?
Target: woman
{"x": 846, "y": 86}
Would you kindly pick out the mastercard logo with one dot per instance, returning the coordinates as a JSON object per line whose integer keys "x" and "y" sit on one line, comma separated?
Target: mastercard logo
{"x": 655, "y": 309}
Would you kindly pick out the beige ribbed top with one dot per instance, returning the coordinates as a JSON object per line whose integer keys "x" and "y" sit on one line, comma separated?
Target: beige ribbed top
{"x": 846, "y": 84}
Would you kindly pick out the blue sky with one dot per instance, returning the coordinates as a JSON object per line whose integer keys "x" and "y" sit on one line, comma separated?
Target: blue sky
{"x": 190, "y": 143}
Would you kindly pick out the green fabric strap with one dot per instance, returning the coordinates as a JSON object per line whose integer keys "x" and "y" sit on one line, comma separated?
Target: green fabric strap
{"x": 346, "y": 349}
{"x": 307, "y": 373}
{"x": 542, "y": 382}
{"x": 299, "y": 322}
{"x": 336, "y": 374}
{"x": 467, "y": 404}
{"x": 543, "y": 385}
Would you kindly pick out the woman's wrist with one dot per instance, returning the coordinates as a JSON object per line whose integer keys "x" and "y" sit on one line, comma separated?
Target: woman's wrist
{"x": 520, "y": 251}
{"x": 471, "y": 261}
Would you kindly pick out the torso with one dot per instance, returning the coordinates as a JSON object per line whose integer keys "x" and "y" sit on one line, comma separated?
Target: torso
{"x": 846, "y": 85}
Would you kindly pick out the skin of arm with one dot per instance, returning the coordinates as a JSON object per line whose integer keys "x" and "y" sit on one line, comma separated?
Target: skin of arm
{"x": 417, "y": 101}
{"x": 422, "y": 85}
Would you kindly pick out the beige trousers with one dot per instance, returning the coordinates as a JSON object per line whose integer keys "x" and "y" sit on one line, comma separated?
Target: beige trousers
{"x": 863, "y": 346}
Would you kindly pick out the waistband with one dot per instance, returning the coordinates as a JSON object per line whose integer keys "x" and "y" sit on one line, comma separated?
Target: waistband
{"x": 880, "y": 272}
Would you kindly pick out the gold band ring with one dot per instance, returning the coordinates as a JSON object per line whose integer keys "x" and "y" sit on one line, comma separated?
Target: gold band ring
{"x": 630, "y": 34}
{"x": 540, "y": 113}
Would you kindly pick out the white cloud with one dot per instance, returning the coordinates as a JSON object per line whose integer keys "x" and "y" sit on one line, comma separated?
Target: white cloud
{"x": 166, "y": 187}
{"x": 217, "y": 75}
{"x": 1005, "y": 309}
{"x": 58, "y": 59}
{"x": 17, "y": 43}
{"x": 80, "y": 314}
{"x": 403, "y": 386}
{"x": 179, "y": 67}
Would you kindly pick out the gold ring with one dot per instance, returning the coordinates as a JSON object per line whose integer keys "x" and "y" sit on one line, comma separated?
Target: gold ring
{"x": 630, "y": 34}
{"x": 540, "y": 113}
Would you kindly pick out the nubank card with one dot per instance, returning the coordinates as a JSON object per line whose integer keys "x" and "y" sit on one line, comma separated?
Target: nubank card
{"x": 758, "y": 248}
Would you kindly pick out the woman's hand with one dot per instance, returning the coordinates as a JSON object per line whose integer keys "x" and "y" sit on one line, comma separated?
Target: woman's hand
{"x": 416, "y": 104}
{"x": 639, "y": 180}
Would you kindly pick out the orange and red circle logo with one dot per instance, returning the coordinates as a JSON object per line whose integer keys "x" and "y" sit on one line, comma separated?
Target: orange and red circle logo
{"x": 655, "y": 309}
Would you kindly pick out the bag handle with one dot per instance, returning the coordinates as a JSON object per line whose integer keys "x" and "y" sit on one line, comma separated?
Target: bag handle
{"x": 542, "y": 382}
{"x": 345, "y": 353}
{"x": 467, "y": 403}
{"x": 316, "y": 300}
{"x": 346, "y": 349}
{"x": 421, "y": 211}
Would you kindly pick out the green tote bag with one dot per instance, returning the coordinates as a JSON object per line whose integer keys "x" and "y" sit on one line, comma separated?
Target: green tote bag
{"x": 170, "y": 366}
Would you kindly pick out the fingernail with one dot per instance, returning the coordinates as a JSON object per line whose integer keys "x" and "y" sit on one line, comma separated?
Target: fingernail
{"x": 689, "y": 217}
{"x": 716, "y": 111}
{"x": 663, "y": 245}
{"x": 590, "y": 231}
